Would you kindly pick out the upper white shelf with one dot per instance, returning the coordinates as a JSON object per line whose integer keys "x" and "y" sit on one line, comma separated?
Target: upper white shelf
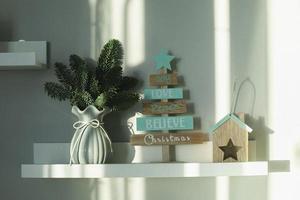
{"x": 260, "y": 168}
{"x": 23, "y": 55}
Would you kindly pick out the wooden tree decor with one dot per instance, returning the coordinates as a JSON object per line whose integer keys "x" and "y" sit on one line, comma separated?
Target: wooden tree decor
{"x": 170, "y": 103}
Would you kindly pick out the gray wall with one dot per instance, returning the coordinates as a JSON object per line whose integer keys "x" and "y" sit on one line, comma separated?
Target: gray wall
{"x": 27, "y": 115}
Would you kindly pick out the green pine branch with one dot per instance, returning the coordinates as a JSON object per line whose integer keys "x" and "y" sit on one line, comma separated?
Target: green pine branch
{"x": 64, "y": 75}
{"x": 111, "y": 55}
{"x": 101, "y": 101}
{"x": 128, "y": 83}
{"x": 101, "y": 86}
{"x": 113, "y": 77}
{"x": 79, "y": 68}
{"x": 82, "y": 99}
{"x": 57, "y": 91}
{"x": 122, "y": 100}
{"x": 93, "y": 87}
{"x": 77, "y": 64}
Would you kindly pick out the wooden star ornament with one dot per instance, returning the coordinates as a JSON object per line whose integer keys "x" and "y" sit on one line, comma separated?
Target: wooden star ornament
{"x": 230, "y": 150}
{"x": 163, "y": 60}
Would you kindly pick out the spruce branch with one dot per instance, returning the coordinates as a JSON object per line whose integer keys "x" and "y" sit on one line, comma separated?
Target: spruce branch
{"x": 101, "y": 86}
{"x": 111, "y": 55}
{"x": 100, "y": 101}
{"x": 80, "y": 70}
{"x": 122, "y": 100}
{"x": 93, "y": 87}
{"x": 128, "y": 83}
{"x": 56, "y": 91}
{"x": 113, "y": 77}
{"x": 77, "y": 64}
{"x": 82, "y": 99}
{"x": 81, "y": 80}
{"x": 64, "y": 75}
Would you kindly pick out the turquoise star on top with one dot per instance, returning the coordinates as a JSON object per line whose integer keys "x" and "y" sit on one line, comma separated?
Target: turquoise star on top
{"x": 163, "y": 60}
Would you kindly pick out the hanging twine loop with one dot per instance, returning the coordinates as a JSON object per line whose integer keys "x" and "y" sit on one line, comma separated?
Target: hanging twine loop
{"x": 236, "y": 94}
{"x": 83, "y": 125}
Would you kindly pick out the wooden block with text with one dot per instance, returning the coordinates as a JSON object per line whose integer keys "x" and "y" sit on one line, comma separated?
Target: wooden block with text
{"x": 163, "y": 79}
{"x": 163, "y": 94}
{"x": 165, "y": 123}
{"x": 156, "y": 108}
{"x": 149, "y": 139}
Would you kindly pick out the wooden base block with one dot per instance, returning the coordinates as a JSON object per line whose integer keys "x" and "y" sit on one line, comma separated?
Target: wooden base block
{"x": 168, "y": 153}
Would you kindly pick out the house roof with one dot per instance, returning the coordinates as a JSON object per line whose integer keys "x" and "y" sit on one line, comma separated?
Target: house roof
{"x": 228, "y": 117}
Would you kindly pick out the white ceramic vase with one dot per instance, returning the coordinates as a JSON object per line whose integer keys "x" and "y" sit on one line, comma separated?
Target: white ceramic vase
{"x": 90, "y": 143}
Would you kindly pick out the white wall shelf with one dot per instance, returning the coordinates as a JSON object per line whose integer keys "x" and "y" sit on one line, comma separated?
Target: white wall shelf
{"x": 46, "y": 155}
{"x": 261, "y": 168}
{"x": 23, "y": 55}
{"x": 52, "y": 153}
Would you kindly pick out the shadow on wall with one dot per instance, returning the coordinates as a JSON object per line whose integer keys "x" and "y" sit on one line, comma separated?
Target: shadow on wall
{"x": 27, "y": 114}
{"x": 5, "y": 34}
{"x": 260, "y": 133}
{"x": 249, "y": 59}
{"x": 6, "y": 29}
{"x": 239, "y": 187}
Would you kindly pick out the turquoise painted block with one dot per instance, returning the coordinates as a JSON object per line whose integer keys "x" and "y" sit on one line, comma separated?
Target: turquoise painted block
{"x": 165, "y": 123}
{"x": 169, "y": 93}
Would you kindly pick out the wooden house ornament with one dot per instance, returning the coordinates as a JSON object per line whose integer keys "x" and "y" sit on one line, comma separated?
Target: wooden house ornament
{"x": 230, "y": 139}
